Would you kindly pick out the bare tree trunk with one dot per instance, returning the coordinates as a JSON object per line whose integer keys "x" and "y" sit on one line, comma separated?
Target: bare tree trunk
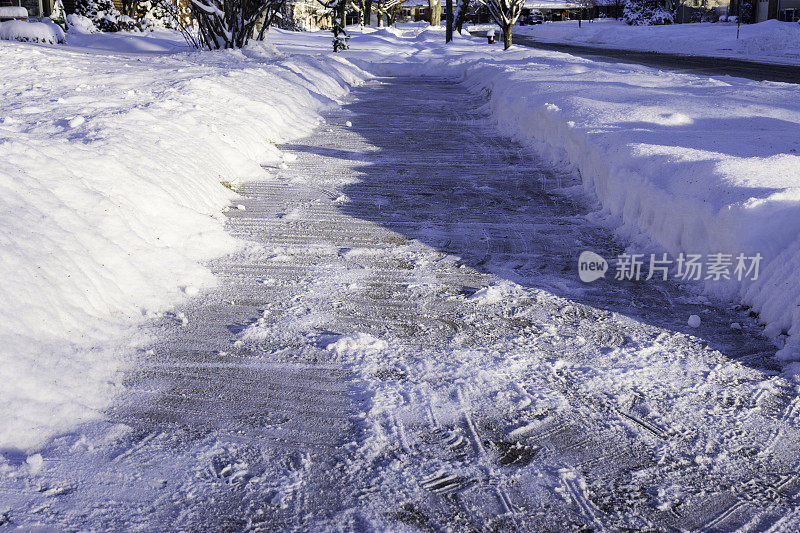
{"x": 461, "y": 16}
{"x": 368, "y": 12}
{"x": 435, "y": 7}
{"x": 505, "y": 14}
{"x": 393, "y": 14}
{"x": 269, "y": 18}
{"x": 449, "y": 34}
{"x": 227, "y": 23}
{"x": 339, "y": 22}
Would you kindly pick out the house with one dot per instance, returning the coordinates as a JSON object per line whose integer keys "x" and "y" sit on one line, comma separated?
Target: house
{"x": 310, "y": 15}
{"x": 36, "y": 8}
{"x": 555, "y": 9}
{"x": 415, "y": 11}
{"x": 608, "y": 9}
{"x": 43, "y": 8}
{"x": 785, "y": 10}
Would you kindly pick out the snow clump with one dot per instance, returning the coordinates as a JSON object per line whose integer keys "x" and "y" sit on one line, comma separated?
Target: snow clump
{"x": 357, "y": 344}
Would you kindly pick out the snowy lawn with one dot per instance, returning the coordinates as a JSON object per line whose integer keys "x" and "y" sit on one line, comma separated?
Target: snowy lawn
{"x": 113, "y": 170}
{"x": 772, "y": 41}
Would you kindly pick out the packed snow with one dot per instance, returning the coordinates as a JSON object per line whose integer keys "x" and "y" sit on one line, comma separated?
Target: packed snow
{"x": 771, "y": 40}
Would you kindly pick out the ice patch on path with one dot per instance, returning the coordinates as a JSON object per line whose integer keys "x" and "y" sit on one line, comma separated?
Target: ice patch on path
{"x": 357, "y": 344}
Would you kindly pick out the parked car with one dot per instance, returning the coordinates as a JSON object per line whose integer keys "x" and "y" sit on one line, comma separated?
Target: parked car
{"x": 533, "y": 17}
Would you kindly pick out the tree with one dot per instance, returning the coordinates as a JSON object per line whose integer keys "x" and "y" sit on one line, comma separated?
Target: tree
{"x": 505, "y": 14}
{"x": 618, "y": 7}
{"x": 362, "y": 13}
{"x": 461, "y": 12}
{"x": 157, "y": 13}
{"x": 275, "y": 12}
{"x": 338, "y": 11}
{"x": 102, "y": 13}
{"x": 227, "y": 23}
{"x": 394, "y": 13}
{"x": 645, "y": 13}
{"x": 435, "y": 7}
{"x": 385, "y": 7}
{"x": 58, "y": 15}
{"x": 449, "y": 35}
{"x": 584, "y": 5}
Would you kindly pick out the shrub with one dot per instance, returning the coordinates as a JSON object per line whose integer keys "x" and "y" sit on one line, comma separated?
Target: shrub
{"x": 645, "y": 13}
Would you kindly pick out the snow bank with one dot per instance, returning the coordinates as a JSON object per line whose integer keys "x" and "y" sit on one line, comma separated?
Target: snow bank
{"x": 719, "y": 176}
{"x": 31, "y": 32}
{"x": 78, "y": 24}
{"x": 111, "y": 192}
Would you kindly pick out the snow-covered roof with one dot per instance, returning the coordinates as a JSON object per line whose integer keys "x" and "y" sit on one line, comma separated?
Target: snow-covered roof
{"x": 529, "y": 4}
{"x": 550, "y": 4}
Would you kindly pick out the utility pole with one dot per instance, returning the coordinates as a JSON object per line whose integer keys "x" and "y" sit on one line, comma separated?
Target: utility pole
{"x": 450, "y": 20}
{"x": 738, "y": 17}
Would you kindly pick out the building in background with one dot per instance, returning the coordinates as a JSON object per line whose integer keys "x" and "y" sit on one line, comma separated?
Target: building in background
{"x": 36, "y": 8}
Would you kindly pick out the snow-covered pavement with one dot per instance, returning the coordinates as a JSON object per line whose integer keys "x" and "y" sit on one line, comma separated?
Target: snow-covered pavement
{"x": 405, "y": 344}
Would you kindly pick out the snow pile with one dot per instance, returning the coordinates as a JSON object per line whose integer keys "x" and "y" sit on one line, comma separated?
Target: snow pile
{"x": 771, "y": 37}
{"x": 80, "y": 24}
{"x": 31, "y": 32}
{"x": 503, "y": 291}
{"x": 13, "y": 12}
{"x": 112, "y": 172}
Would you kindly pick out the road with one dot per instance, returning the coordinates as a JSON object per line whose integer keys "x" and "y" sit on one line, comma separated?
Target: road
{"x": 404, "y": 344}
{"x": 700, "y": 65}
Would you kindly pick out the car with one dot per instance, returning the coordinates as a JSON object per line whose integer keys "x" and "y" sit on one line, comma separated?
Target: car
{"x": 536, "y": 17}
{"x": 533, "y": 17}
